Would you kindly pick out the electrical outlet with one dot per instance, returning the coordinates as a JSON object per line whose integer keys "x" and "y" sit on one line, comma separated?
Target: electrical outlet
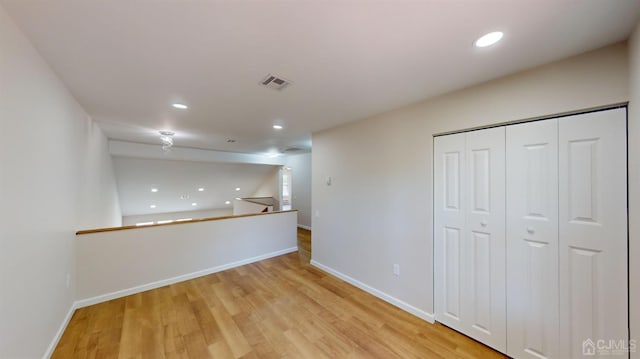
{"x": 68, "y": 280}
{"x": 396, "y": 269}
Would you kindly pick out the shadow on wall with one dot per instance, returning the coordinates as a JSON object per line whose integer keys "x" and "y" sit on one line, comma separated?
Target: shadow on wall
{"x": 255, "y": 205}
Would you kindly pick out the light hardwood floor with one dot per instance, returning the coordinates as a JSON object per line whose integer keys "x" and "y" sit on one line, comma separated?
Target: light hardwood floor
{"x": 304, "y": 245}
{"x": 277, "y": 308}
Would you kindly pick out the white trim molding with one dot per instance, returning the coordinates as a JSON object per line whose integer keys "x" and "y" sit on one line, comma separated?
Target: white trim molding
{"x": 181, "y": 278}
{"x": 429, "y": 317}
{"x": 63, "y": 327}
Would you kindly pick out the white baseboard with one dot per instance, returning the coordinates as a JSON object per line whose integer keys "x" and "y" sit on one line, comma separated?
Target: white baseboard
{"x": 304, "y": 227}
{"x": 63, "y": 326}
{"x": 429, "y": 317}
{"x": 161, "y": 283}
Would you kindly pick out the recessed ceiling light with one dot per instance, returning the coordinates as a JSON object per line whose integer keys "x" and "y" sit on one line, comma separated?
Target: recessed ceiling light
{"x": 278, "y": 127}
{"x": 489, "y": 39}
{"x": 227, "y": 202}
{"x": 180, "y": 106}
{"x": 238, "y": 199}
{"x": 152, "y": 206}
{"x": 154, "y": 190}
{"x": 237, "y": 188}
{"x": 194, "y": 204}
{"x": 200, "y": 189}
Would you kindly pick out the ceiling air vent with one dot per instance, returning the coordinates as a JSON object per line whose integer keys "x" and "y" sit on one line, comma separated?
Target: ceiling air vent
{"x": 275, "y": 82}
{"x": 292, "y": 149}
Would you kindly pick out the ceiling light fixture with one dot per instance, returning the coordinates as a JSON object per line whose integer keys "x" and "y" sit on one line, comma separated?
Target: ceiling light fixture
{"x": 489, "y": 39}
{"x": 167, "y": 139}
{"x": 154, "y": 190}
{"x": 194, "y": 204}
{"x": 237, "y": 188}
{"x": 278, "y": 127}
{"x": 200, "y": 189}
{"x": 227, "y": 202}
{"x": 152, "y": 206}
{"x": 180, "y": 106}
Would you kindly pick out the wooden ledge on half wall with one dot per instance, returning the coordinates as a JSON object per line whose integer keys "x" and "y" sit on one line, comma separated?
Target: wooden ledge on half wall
{"x": 109, "y": 229}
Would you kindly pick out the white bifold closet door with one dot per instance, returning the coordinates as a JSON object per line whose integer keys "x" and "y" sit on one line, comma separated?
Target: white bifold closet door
{"x": 593, "y": 230}
{"x": 470, "y": 234}
{"x": 532, "y": 240}
{"x": 566, "y": 234}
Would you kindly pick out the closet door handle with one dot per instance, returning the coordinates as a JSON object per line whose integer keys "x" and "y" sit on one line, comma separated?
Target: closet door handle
{"x": 531, "y": 230}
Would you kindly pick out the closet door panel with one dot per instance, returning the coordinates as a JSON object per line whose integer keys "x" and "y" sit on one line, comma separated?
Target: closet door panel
{"x": 532, "y": 240}
{"x": 593, "y": 229}
{"x": 484, "y": 304}
{"x": 449, "y": 226}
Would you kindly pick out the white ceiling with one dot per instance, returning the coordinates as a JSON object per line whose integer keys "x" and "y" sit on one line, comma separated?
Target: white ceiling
{"x": 126, "y": 61}
{"x": 136, "y": 177}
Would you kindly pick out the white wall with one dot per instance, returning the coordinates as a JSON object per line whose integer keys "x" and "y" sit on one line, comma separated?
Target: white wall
{"x": 634, "y": 180}
{"x": 378, "y": 210}
{"x": 55, "y": 177}
{"x": 270, "y": 186}
{"x": 109, "y": 264}
{"x": 207, "y": 213}
{"x": 99, "y": 203}
{"x": 246, "y": 207}
{"x": 301, "y": 190}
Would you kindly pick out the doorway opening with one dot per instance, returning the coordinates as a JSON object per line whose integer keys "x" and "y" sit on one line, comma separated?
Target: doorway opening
{"x": 286, "y": 189}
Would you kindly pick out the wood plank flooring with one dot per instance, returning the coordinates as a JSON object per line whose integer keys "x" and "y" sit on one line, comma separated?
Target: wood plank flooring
{"x": 277, "y": 308}
{"x": 304, "y": 244}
